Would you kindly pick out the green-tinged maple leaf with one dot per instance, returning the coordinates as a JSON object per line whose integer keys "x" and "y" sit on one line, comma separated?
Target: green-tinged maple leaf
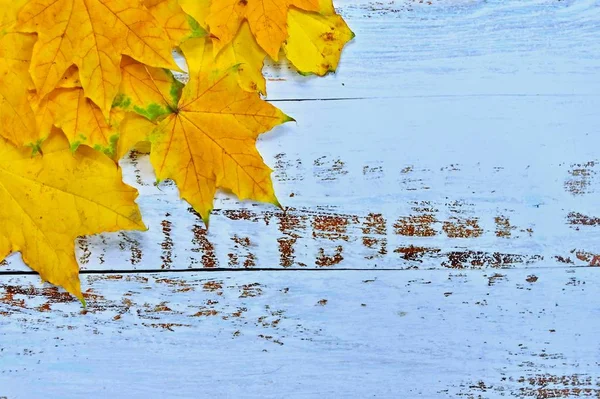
{"x": 208, "y": 140}
{"x": 197, "y": 9}
{"x": 150, "y": 92}
{"x": 178, "y": 25}
{"x": 81, "y": 120}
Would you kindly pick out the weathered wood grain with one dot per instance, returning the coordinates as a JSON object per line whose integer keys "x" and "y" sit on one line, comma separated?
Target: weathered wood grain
{"x": 306, "y": 335}
{"x": 380, "y": 184}
{"x": 457, "y": 145}
{"x": 460, "y": 47}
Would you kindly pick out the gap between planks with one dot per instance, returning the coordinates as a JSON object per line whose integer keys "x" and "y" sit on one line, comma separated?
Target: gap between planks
{"x": 291, "y": 269}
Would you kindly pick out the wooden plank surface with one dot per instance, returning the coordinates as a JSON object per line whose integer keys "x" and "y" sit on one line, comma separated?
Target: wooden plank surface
{"x": 493, "y": 164}
{"x": 305, "y": 334}
{"x": 408, "y": 48}
{"x": 452, "y": 161}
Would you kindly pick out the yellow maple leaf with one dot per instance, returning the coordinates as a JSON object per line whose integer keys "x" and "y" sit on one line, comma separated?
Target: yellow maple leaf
{"x": 209, "y": 139}
{"x": 197, "y": 9}
{"x": 210, "y": 142}
{"x": 16, "y": 115}
{"x": 8, "y": 13}
{"x": 243, "y": 51}
{"x": 15, "y": 47}
{"x": 316, "y": 40}
{"x": 70, "y": 79}
{"x": 81, "y": 120}
{"x": 154, "y": 92}
{"x": 134, "y": 131}
{"x": 178, "y": 25}
{"x": 92, "y": 34}
{"x": 15, "y": 55}
{"x": 44, "y": 116}
{"x": 267, "y": 20}
{"x": 50, "y": 200}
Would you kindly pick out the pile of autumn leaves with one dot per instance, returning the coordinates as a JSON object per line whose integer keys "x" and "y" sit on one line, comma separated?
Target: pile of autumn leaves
{"x": 84, "y": 81}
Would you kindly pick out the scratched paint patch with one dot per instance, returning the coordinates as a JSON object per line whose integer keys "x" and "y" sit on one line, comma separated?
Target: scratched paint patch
{"x": 235, "y": 307}
{"x": 414, "y": 225}
{"x": 425, "y": 234}
{"x": 326, "y": 168}
{"x": 559, "y": 386}
{"x": 305, "y": 238}
{"x": 408, "y": 6}
{"x": 500, "y": 324}
{"x": 582, "y": 178}
{"x": 578, "y": 220}
{"x": 538, "y": 386}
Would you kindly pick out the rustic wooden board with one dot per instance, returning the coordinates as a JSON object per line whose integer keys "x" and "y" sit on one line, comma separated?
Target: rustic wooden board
{"x": 305, "y": 334}
{"x": 491, "y": 164}
{"x": 452, "y": 162}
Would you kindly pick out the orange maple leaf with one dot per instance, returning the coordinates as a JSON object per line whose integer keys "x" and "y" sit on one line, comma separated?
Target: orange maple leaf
{"x": 92, "y": 34}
